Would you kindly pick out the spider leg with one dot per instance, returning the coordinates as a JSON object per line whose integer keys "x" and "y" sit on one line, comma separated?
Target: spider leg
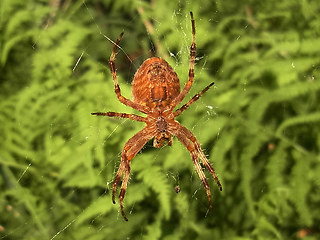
{"x": 202, "y": 176}
{"x": 189, "y": 83}
{"x": 117, "y": 180}
{"x": 192, "y": 100}
{"x": 202, "y": 156}
{"x": 121, "y": 98}
{"x": 131, "y": 148}
{"x": 193, "y": 146}
{"x": 121, "y": 115}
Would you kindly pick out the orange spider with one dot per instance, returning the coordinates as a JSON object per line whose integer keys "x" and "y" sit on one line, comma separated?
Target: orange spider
{"x": 156, "y": 92}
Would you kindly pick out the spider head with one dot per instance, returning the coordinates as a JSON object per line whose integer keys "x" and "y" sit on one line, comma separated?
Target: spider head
{"x": 161, "y": 138}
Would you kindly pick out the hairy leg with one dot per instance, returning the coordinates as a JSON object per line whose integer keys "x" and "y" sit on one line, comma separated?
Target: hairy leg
{"x": 121, "y": 115}
{"x": 192, "y": 100}
{"x": 202, "y": 176}
{"x": 121, "y": 98}
{"x": 202, "y": 156}
{"x": 190, "y": 142}
{"x": 131, "y": 148}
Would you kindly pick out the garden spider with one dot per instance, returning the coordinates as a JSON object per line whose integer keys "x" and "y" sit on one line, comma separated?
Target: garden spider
{"x": 156, "y": 92}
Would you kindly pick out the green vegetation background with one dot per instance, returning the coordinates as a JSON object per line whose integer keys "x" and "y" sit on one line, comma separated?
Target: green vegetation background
{"x": 259, "y": 126}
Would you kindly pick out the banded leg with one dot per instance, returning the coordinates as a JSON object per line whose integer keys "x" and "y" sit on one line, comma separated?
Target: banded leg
{"x": 191, "y": 144}
{"x": 121, "y": 115}
{"x": 121, "y": 98}
{"x": 202, "y": 177}
{"x": 189, "y": 83}
{"x": 131, "y": 148}
{"x": 117, "y": 180}
{"x": 202, "y": 156}
{"x": 192, "y": 100}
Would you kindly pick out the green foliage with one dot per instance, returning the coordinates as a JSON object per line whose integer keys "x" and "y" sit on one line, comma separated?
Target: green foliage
{"x": 259, "y": 126}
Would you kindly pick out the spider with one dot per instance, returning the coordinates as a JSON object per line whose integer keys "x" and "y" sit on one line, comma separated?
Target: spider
{"x": 156, "y": 92}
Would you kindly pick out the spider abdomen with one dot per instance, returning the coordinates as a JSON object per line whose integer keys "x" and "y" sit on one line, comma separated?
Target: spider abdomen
{"x": 155, "y": 82}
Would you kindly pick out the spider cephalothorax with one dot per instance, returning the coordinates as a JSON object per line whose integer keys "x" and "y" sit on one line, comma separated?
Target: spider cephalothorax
{"x": 156, "y": 92}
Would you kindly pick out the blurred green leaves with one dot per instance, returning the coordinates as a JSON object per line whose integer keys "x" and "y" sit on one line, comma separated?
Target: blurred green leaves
{"x": 259, "y": 125}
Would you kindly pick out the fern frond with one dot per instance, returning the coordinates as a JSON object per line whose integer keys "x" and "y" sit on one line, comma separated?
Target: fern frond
{"x": 304, "y": 119}
{"x": 276, "y": 167}
{"x": 100, "y": 206}
{"x": 286, "y": 93}
{"x": 156, "y": 180}
{"x": 247, "y": 171}
{"x": 301, "y": 188}
{"x": 265, "y": 227}
{"x": 154, "y": 230}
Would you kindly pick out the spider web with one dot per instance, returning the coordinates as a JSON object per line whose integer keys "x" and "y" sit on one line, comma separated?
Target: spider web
{"x": 57, "y": 162}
